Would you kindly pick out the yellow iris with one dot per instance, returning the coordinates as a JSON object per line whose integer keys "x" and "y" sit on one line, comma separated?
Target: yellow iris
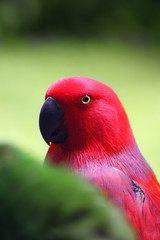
{"x": 86, "y": 99}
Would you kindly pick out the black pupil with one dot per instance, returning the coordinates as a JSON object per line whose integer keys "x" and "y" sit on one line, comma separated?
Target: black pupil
{"x": 85, "y": 99}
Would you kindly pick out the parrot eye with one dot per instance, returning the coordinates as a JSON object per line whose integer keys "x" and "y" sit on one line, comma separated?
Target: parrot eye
{"x": 86, "y": 99}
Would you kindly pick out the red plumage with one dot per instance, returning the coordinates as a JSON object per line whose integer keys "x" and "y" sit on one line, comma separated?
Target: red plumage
{"x": 101, "y": 146}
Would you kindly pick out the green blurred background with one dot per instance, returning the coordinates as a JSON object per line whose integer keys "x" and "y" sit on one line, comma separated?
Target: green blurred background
{"x": 116, "y": 42}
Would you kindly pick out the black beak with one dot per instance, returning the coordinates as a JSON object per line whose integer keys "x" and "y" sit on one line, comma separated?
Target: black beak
{"x": 51, "y": 122}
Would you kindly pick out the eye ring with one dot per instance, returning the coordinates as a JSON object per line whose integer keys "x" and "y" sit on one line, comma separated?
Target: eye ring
{"x": 86, "y": 99}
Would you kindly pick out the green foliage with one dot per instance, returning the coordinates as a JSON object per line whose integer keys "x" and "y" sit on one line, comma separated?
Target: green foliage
{"x": 43, "y": 203}
{"x": 80, "y": 18}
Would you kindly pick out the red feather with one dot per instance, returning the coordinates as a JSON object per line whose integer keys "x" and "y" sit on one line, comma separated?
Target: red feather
{"x": 101, "y": 146}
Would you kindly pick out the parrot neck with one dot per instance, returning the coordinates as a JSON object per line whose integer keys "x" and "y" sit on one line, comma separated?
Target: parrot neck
{"x": 128, "y": 160}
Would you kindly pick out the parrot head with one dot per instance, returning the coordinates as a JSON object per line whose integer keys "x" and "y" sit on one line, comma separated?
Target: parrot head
{"x": 80, "y": 112}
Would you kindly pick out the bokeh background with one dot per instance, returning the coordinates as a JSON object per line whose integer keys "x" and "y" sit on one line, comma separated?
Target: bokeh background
{"x": 115, "y": 42}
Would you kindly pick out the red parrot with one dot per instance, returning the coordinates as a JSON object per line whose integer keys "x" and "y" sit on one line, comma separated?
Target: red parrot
{"x": 88, "y": 130}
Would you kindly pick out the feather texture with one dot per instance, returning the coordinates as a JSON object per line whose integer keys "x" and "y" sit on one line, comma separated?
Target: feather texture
{"x": 101, "y": 146}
